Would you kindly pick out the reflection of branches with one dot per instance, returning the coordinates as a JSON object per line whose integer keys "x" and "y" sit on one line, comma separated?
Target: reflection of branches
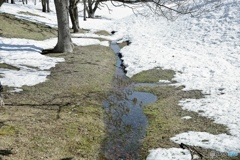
{"x": 122, "y": 135}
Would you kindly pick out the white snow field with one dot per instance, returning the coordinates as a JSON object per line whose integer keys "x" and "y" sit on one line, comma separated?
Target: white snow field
{"x": 204, "y": 51}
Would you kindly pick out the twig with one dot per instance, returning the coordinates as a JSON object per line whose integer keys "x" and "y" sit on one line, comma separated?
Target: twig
{"x": 191, "y": 149}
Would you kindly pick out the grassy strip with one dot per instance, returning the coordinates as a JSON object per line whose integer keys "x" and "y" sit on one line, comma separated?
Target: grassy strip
{"x": 165, "y": 115}
{"x": 153, "y": 75}
{"x": 62, "y": 117}
{"x": 11, "y": 26}
{"x": 7, "y": 66}
{"x": 30, "y": 14}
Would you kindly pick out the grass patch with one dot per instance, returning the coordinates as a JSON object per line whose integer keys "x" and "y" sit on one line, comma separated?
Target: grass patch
{"x": 165, "y": 121}
{"x": 29, "y": 13}
{"x": 103, "y": 33}
{"x": 91, "y": 131}
{"x": 153, "y": 76}
{"x": 7, "y": 66}
{"x": 8, "y": 130}
{"x": 80, "y": 31}
{"x": 62, "y": 117}
{"x": 164, "y": 116}
{"x": 122, "y": 45}
{"x": 11, "y": 26}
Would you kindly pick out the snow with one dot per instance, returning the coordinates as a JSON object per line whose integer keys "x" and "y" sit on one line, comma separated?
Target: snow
{"x": 169, "y": 154}
{"x": 25, "y": 55}
{"x": 221, "y": 142}
{"x": 186, "y": 117}
{"x": 204, "y": 51}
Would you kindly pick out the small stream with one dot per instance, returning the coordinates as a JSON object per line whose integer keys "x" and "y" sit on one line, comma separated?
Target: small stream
{"x": 125, "y": 120}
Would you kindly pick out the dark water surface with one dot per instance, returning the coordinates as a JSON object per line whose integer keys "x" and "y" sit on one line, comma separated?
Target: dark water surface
{"x": 125, "y": 120}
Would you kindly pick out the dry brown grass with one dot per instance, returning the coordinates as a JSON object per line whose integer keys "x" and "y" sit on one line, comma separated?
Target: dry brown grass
{"x": 12, "y": 27}
{"x": 63, "y": 116}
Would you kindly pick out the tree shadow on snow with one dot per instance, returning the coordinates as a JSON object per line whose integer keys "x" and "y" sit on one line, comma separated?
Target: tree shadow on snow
{"x": 13, "y": 47}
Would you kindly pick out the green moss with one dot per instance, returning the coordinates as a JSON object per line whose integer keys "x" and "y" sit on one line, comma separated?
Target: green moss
{"x": 153, "y": 76}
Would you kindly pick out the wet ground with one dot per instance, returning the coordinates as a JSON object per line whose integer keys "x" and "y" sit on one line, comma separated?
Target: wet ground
{"x": 126, "y": 122}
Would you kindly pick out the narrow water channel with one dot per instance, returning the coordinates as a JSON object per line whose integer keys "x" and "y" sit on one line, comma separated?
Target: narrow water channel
{"x": 125, "y": 120}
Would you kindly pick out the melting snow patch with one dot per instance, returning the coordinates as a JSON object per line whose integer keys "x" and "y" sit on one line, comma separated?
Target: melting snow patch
{"x": 167, "y": 154}
{"x": 89, "y": 41}
{"x": 186, "y": 117}
{"x": 25, "y": 55}
{"x": 16, "y": 90}
{"x": 164, "y": 81}
{"x": 220, "y": 142}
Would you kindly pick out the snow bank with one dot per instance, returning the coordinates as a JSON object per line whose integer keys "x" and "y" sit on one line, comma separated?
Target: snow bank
{"x": 205, "y": 53}
{"x": 25, "y": 55}
{"x": 221, "y": 142}
{"x": 169, "y": 154}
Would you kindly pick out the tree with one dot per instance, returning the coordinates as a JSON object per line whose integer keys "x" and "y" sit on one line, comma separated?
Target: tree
{"x": 1, "y": 2}
{"x": 92, "y": 6}
{"x": 167, "y": 8}
{"x": 73, "y": 10}
{"x": 24, "y": 1}
{"x": 171, "y": 9}
{"x": 64, "y": 43}
{"x": 45, "y": 6}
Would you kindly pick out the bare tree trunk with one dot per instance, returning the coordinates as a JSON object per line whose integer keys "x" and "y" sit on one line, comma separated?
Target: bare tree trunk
{"x": 73, "y": 10}
{"x": 76, "y": 14}
{"x": 44, "y": 6}
{"x": 64, "y": 43}
{"x": 91, "y": 7}
{"x": 12, "y": 2}
{"x": 84, "y": 10}
{"x": 1, "y": 2}
{"x": 23, "y": 1}
{"x": 48, "y": 7}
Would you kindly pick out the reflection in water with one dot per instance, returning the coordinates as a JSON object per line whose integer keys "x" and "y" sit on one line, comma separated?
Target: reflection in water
{"x": 125, "y": 120}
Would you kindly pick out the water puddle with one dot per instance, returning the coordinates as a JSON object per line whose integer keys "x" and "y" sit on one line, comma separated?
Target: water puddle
{"x": 125, "y": 119}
